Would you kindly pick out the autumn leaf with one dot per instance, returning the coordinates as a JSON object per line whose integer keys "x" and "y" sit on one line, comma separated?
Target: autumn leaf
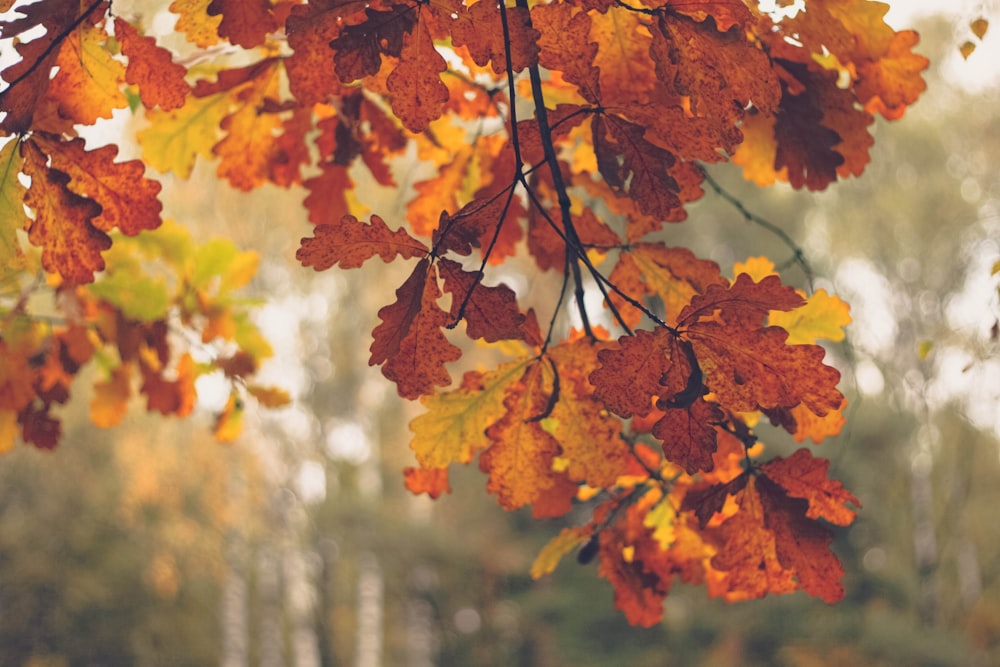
{"x": 416, "y": 92}
{"x": 802, "y": 475}
{"x": 553, "y": 552}
{"x": 490, "y": 313}
{"x": 12, "y": 216}
{"x": 432, "y": 481}
{"x": 88, "y": 84}
{"x": 350, "y": 243}
{"x": 688, "y": 435}
{"x": 174, "y": 139}
{"x": 245, "y": 23}
{"x": 111, "y": 396}
{"x": 748, "y": 365}
{"x": 150, "y": 67}
{"x": 195, "y": 22}
{"x": 409, "y": 343}
{"x": 62, "y": 226}
{"x": 453, "y": 428}
{"x": 30, "y": 77}
{"x": 126, "y": 199}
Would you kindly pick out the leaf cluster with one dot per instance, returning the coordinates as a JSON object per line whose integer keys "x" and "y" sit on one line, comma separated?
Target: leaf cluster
{"x": 576, "y": 129}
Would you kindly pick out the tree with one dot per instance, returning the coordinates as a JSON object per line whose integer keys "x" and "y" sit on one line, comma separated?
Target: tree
{"x": 577, "y": 128}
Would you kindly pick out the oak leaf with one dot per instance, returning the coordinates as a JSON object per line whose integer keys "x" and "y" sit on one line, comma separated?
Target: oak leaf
{"x": 194, "y": 21}
{"x": 416, "y": 92}
{"x": 490, "y": 313}
{"x": 409, "y": 343}
{"x": 87, "y": 86}
{"x": 350, "y": 243}
{"x": 454, "y": 426}
{"x": 245, "y": 23}
{"x": 801, "y": 475}
{"x": 174, "y": 139}
{"x": 519, "y": 460}
{"x": 150, "y": 67}
{"x": 432, "y": 481}
{"x": 111, "y": 396}
{"x": 63, "y": 222}
{"x": 126, "y": 199}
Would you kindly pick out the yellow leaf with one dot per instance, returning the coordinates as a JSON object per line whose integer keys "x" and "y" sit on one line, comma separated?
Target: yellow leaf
{"x": 271, "y": 397}
{"x": 175, "y": 138}
{"x": 110, "y": 401}
{"x": 560, "y": 545}
{"x": 194, "y": 21}
{"x": 979, "y": 27}
{"x": 757, "y": 268}
{"x": 12, "y": 215}
{"x": 924, "y": 349}
{"x": 229, "y": 423}
{"x": 823, "y": 316}
{"x": 660, "y": 520}
{"x": 8, "y": 430}
{"x": 88, "y": 85}
{"x": 453, "y": 428}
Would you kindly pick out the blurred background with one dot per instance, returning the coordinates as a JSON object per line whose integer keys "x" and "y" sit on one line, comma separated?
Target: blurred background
{"x": 151, "y": 544}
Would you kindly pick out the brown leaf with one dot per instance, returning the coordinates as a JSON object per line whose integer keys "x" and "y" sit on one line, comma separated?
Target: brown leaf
{"x": 350, "y": 243}
{"x": 416, "y": 92}
{"x": 245, "y": 23}
{"x": 688, "y": 435}
{"x": 801, "y": 475}
{"x": 409, "y": 343}
{"x": 490, "y": 313}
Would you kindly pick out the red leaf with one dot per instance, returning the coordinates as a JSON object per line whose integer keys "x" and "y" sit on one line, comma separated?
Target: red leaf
{"x": 416, "y": 93}
{"x": 688, "y": 435}
{"x": 432, "y": 481}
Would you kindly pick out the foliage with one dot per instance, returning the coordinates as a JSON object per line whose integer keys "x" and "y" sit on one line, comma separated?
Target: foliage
{"x": 578, "y": 128}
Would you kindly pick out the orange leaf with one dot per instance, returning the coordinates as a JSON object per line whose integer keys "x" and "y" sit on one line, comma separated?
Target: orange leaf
{"x": 479, "y": 28}
{"x": 71, "y": 244}
{"x": 127, "y": 200}
{"x": 409, "y": 343}
{"x": 350, "y": 243}
{"x": 310, "y": 29}
{"x": 170, "y": 397}
{"x": 17, "y": 379}
{"x": 747, "y": 365}
{"x": 642, "y": 367}
{"x": 326, "y": 202}
{"x": 110, "y": 401}
{"x": 151, "y": 68}
{"x": 589, "y": 438}
{"x": 88, "y": 84}
{"x": 565, "y": 46}
{"x": 519, "y": 462}
{"x": 803, "y": 476}
{"x": 802, "y": 545}
{"x": 432, "y": 481}
{"x": 747, "y": 551}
